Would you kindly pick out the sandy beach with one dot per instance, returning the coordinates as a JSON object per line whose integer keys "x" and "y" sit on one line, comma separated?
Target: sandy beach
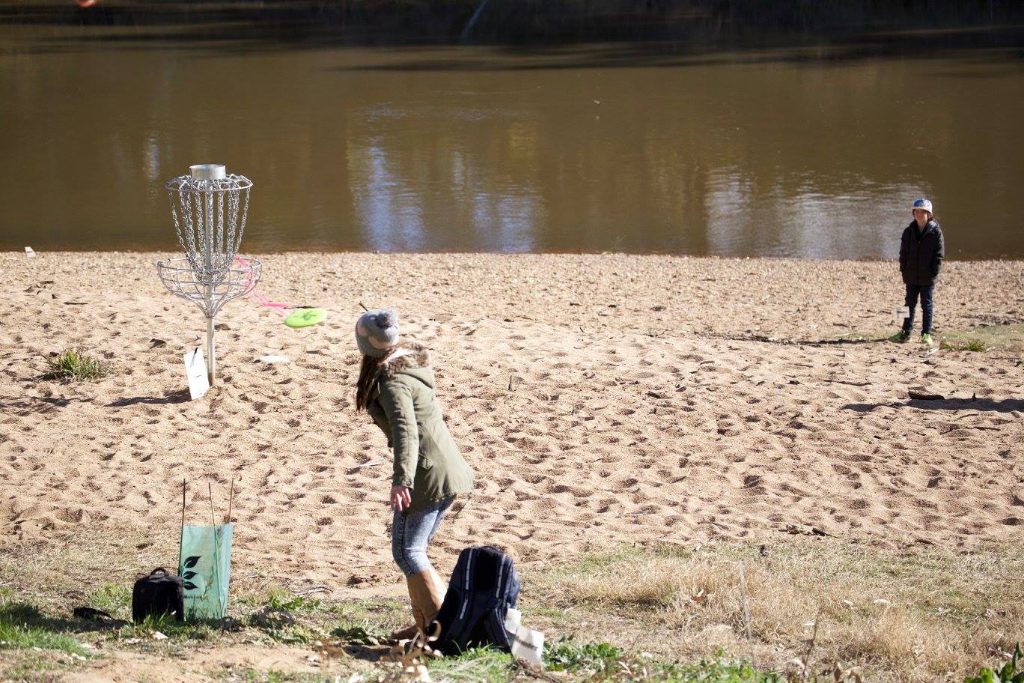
{"x": 600, "y": 399}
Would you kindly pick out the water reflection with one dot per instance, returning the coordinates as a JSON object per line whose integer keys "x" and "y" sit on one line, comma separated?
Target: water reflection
{"x": 811, "y": 159}
{"x": 389, "y": 212}
{"x": 865, "y": 225}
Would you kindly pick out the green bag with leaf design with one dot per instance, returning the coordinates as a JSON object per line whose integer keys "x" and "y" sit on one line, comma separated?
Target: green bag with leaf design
{"x": 205, "y": 568}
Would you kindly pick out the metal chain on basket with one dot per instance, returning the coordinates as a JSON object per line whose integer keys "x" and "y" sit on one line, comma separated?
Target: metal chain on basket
{"x": 210, "y": 232}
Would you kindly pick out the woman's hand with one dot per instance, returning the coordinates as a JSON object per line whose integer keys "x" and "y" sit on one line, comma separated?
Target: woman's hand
{"x": 400, "y": 498}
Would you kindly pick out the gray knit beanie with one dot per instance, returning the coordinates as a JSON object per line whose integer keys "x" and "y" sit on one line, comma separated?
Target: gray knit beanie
{"x": 377, "y": 331}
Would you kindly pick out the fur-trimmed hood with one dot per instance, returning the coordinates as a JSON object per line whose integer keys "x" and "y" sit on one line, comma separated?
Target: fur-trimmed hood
{"x": 410, "y": 358}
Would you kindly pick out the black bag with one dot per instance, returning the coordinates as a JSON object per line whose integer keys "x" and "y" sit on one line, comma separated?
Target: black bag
{"x": 483, "y": 586}
{"x": 158, "y": 594}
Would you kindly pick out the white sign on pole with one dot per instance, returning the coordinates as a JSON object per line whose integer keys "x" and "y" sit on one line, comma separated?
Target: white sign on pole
{"x": 901, "y": 314}
{"x": 195, "y": 370}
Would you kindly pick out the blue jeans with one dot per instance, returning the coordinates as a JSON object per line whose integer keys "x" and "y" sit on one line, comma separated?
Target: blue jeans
{"x": 412, "y": 531}
{"x": 925, "y": 292}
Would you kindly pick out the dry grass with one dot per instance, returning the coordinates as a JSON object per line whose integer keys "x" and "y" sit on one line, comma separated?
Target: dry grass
{"x": 920, "y": 616}
{"x": 930, "y": 615}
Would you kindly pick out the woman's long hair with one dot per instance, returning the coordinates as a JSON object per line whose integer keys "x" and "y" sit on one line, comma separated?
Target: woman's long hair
{"x": 367, "y": 373}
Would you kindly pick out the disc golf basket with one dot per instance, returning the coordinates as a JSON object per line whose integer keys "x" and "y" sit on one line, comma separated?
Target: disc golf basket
{"x": 209, "y": 209}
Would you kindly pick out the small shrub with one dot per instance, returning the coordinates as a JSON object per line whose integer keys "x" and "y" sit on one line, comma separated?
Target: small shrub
{"x": 281, "y": 601}
{"x": 71, "y": 364}
{"x": 568, "y": 655}
{"x": 1010, "y": 673}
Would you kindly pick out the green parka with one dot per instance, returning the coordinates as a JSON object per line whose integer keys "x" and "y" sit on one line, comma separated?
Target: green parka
{"x": 403, "y": 404}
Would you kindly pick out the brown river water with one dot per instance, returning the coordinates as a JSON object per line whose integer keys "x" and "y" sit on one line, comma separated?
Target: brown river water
{"x": 586, "y": 148}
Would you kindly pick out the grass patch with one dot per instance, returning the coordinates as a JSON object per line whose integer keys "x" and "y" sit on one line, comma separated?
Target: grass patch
{"x": 985, "y": 338}
{"x": 656, "y": 612}
{"x": 21, "y": 637}
{"x": 200, "y": 630}
{"x": 980, "y": 339}
{"x": 976, "y": 345}
{"x": 568, "y": 655}
{"x": 480, "y": 664}
{"x": 274, "y": 676}
{"x": 29, "y": 665}
{"x": 71, "y": 364}
{"x": 570, "y": 660}
{"x": 113, "y": 599}
{"x": 23, "y": 627}
{"x": 301, "y": 620}
{"x": 281, "y": 600}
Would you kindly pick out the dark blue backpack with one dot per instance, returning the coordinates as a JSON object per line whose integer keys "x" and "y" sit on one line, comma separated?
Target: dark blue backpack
{"x": 483, "y": 586}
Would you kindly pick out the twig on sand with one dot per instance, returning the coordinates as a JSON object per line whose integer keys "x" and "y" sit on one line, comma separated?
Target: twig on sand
{"x": 369, "y": 463}
{"x": 919, "y": 395}
{"x": 850, "y": 382}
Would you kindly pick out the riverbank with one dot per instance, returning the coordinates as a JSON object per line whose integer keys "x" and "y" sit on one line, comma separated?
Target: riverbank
{"x": 601, "y": 399}
{"x": 682, "y": 25}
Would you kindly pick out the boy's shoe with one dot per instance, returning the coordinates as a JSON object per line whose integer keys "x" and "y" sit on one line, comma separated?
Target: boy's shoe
{"x": 927, "y": 340}
{"x": 900, "y": 337}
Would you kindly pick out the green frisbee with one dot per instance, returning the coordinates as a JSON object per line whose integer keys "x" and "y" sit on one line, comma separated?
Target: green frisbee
{"x": 304, "y": 317}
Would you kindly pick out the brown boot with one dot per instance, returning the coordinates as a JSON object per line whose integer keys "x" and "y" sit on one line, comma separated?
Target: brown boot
{"x": 426, "y": 591}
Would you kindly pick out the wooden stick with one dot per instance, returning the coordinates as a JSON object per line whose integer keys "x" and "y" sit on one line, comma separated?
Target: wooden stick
{"x": 213, "y": 514}
{"x": 184, "y": 486}
{"x": 810, "y": 645}
{"x": 231, "y": 499}
{"x": 743, "y": 594}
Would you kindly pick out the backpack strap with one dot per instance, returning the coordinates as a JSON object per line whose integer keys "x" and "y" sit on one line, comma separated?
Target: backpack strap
{"x": 466, "y": 586}
{"x": 494, "y": 622}
{"x": 459, "y": 629}
{"x": 499, "y": 589}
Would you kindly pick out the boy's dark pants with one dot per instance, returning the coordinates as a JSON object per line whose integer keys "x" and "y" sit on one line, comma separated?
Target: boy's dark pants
{"x": 925, "y": 292}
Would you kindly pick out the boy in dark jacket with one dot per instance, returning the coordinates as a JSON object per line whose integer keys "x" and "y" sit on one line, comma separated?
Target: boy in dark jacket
{"x": 921, "y": 253}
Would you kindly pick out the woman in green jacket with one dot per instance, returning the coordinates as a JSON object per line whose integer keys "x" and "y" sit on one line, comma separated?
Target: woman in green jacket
{"x": 396, "y": 386}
